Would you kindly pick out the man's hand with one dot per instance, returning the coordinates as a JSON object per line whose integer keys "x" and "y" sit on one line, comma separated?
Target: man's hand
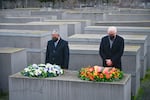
{"x": 109, "y": 62}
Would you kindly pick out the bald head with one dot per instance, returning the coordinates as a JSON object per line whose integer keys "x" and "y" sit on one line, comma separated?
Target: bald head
{"x": 112, "y": 30}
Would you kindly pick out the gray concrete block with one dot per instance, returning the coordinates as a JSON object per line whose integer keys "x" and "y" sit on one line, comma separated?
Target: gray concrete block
{"x": 84, "y": 23}
{"x": 94, "y": 39}
{"x": 145, "y": 23}
{"x": 132, "y": 59}
{"x": 35, "y": 56}
{"x": 73, "y": 27}
{"x": 148, "y": 57}
{"x": 34, "y": 42}
{"x": 76, "y": 28}
{"x": 24, "y": 38}
{"x": 12, "y": 60}
{"x": 86, "y": 15}
{"x": 144, "y": 66}
{"x": 104, "y": 15}
{"x": 57, "y": 13}
{"x": 20, "y": 19}
{"x": 31, "y": 13}
{"x": 42, "y": 26}
{"x": 85, "y": 55}
{"x": 131, "y": 11}
{"x": 15, "y": 13}
{"x": 125, "y": 17}
{"x": 67, "y": 87}
{"x": 135, "y": 83}
{"x": 123, "y": 30}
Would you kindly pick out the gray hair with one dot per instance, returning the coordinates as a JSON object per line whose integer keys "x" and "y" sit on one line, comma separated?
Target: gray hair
{"x": 112, "y": 28}
{"x": 55, "y": 32}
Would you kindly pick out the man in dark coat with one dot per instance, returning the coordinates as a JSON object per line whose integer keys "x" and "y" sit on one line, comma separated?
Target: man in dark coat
{"x": 111, "y": 49}
{"x": 57, "y": 51}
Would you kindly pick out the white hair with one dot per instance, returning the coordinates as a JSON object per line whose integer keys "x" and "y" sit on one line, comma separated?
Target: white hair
{"x": 112, "y": 28}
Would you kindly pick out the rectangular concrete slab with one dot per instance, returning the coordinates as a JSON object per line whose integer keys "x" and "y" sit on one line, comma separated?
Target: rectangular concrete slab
{"x": 86, "y": 15}
{"x": 123, "y": 30}
{"x": 84, "y": 23}
{"x": 20, "y": 19}
{"x": 42, "y": 26}
{"x": 67, "y": 87}
{"x": 57, "y": 13}
{"x": 34, "y": 42}
{"x": 24, "y": 38}
{"x": 85, "y": 55}
{"x": 145, "y": 23}
{"x": 93, "y": 50}
{"x": 125, "y": 17}
{"x": 12, "y": 60}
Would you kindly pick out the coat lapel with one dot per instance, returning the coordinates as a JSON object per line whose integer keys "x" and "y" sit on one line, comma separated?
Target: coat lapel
{"x": 107, "y": 41}
{"x": 53, "y": 46}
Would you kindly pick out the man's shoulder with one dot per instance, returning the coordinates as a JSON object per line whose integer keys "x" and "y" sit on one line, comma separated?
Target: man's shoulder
{"x": 64, "y": 41}
{"x": 105, "y": 37}
{"x": 50, "y": 41}
{"x": 120, "y": 37}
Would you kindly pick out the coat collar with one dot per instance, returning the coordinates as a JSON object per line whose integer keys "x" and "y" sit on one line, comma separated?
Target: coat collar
{"x": 59, "y": 43}
{"x": 114, "y": 41}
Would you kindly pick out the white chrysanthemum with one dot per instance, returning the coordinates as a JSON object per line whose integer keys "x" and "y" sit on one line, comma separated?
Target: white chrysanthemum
{"x": 50, "y": 71}
{"x": 36, "y": 72}
{"x": 39, "y": 71}
{"x": 61, "y": 71}
{"x": 34, "y": 65}
{"x": 31, "y": 73}
{"x": 40, "y": 68}
{"x": 52, "y": 68}
{"x": 56, "y": 70}
{"x": 57, "y": 67}
{"x": 54, "y": 73}
{"x": 48, "y": 65}
{"x": 26, "y": 69}
{"x": 45, "y": 70}
{"x": 42, "y": 65}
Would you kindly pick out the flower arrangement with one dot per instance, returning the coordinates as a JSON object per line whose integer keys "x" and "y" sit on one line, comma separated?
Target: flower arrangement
{"x": 100, "y": 74}
{"x": 42, "y": 70}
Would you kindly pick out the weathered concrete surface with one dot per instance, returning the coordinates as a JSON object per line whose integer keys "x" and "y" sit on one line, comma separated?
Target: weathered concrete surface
{"x": 73, "y": 27}
{"x": 67, "y": 87}
{"x": 20, "y": 19}
{"x": 41, "y": 26}
{"x": 85, "y": 55}
{"x": 94, "y": 39}
{"x": 84, "y": 23}
{"x": 145, "y": 23}
{"x": 57, "y": 13}
{"x": 12, "y": 60}
{"x": 124, "y": 31}
{"x": 86, "y": 15}
{"x": 34, "y": 42}
{"x": 125, "y": 17}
